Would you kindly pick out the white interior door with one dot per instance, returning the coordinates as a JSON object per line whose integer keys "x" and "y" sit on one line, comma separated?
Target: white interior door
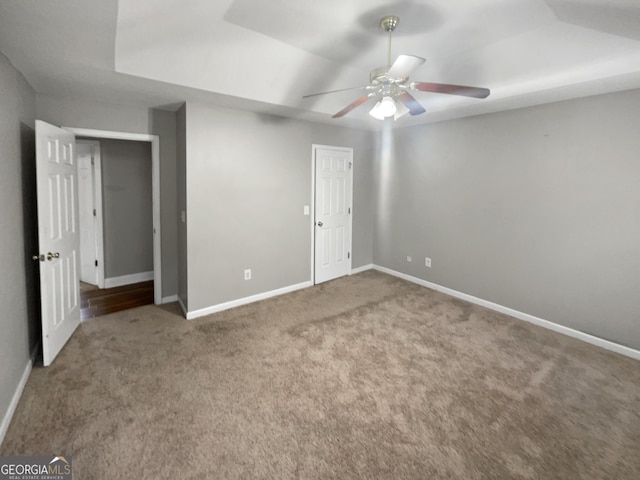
{"x": 87, "y": 211}
{"x": 59, "y": 240}
{"x": 333, "y": 185}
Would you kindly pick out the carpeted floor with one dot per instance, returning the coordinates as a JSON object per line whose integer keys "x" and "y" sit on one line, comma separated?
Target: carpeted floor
{"x": 365, "y": 377}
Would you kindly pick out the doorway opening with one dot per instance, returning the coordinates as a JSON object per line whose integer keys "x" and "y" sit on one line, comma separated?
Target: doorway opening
{"x": 128, "y": 271}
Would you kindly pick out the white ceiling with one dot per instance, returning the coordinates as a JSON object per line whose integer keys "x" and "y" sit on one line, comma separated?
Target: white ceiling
{"x": 265, "y": 55}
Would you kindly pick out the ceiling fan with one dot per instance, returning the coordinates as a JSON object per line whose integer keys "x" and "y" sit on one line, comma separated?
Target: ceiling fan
{"x": 391, "y": 85}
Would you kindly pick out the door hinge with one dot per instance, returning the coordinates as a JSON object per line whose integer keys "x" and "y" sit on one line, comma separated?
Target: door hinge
{"x": 349, "y": 210}
{"x": 350, "y": 165}
{"x": 96, "y": 263}
{"x": 348, "y": 254}
{"x": 94, "y": 212}
{"x": 93, "y": 161}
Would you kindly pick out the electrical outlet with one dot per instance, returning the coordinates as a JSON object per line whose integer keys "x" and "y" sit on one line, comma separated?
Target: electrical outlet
{"x": 427, "y": 262}
{"x": 409, "y": 259}
{"x": 247, "y": 274}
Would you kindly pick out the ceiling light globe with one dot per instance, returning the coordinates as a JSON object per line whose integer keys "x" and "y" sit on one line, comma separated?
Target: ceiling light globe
{"x": 387, "y": 107}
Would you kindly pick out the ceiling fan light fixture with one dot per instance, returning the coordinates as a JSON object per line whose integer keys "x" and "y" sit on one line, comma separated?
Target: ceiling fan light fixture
{"x": 384, "y": 108}
{"x": 401, "y": 110}
{"x": 391, "y": 82}
{"x": 387, "y": 107}
{"x": 375, "y": 112}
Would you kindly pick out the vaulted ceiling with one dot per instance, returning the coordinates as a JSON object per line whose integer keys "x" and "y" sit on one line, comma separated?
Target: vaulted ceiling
{"x": 265, "y": 55}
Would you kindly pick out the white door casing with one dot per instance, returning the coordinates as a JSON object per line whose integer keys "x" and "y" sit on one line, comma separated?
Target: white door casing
{"x": 58, "y": 234}
{"x": 333, "y": 167}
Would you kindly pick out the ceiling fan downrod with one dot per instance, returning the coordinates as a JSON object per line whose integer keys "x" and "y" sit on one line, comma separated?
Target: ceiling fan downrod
{"x": 389, "y": 24}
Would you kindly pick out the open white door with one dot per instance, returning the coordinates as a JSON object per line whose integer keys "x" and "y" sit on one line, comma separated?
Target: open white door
{"x": 333, "y": 184}
{"x": 90, "y": 212}
{"x": 59, "y": 239}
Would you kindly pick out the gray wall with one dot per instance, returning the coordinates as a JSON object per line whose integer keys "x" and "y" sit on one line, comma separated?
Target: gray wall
{"x": 535, "y": 209}
{"x": 72, "y": 112}
{"x": 248, "y": 177}
{"x": 127, "y": 207}
{"x": 163, "y": 124}
{"x": 19, "y": 299}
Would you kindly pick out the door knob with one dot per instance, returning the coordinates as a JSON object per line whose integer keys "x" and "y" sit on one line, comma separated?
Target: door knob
{"x": 319, "y": 224}
{"x": 38, "y": 257}
{"x": 52, "y": 255}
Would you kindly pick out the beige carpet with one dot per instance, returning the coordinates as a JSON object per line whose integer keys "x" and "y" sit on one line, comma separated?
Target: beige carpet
{"x": 365, "y": 377}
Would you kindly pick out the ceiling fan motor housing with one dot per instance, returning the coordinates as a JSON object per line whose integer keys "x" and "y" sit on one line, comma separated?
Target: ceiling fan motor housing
{"x": 378, "y": 76}
{"x": 389, "y": 23}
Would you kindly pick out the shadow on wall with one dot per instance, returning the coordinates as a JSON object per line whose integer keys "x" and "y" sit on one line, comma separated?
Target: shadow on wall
{"x": 163, "y": 122}
{"x": 30, "y": 232}
{"x": 614, "y": 19}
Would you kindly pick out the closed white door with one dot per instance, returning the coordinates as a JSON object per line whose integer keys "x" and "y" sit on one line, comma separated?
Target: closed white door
{"x": 333, "y": 184}
{"x": 59, "y": 240}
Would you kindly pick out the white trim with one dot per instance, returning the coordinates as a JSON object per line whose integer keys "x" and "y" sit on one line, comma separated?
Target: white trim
{"x": 312, "y": 216}
{"x": 244, "y": 301}
{"x": 170, "y": 299}
{"x": 128, "y": 279}
{"x": 155, "y": 187}
{"x": 585, "y": 337}
{"x": 315, "y": 147}
{"x": 6, "y": 420}
{"x": 361, "y": 269}
{"x": 157, "y": 231}
{"x": 89, "y": 132}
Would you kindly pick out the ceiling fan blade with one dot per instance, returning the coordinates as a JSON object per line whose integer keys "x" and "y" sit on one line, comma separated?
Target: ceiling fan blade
{"x": 411, "y": 103}
{"x": 366, "y": 87}
{"x": 475, "y": 92}
{"x": 404, "y": 65}
{"x": 353, "y": 105}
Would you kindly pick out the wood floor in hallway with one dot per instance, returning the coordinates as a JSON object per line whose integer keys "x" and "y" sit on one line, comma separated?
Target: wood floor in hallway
{"x": 95, "y": 301}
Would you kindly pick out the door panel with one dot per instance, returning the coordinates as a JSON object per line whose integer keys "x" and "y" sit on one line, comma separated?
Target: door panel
{"x": 332, "y": 217}
{"x": 58, "y": 235}
{"x": 340, "y": 244}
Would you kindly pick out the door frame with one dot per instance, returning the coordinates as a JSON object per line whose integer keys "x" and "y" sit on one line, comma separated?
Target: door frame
{"x": 155, "y": 188}
{"x": 314, "y": 148}
{"x": 97, "y": 204}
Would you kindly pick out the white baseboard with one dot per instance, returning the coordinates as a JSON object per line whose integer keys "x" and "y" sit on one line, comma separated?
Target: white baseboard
{"x": 363, "y": 268}
{"x": 169, "y": 299}
{"x": 8, "y": 415}
{"x": 128, "y": 279}
{"x": 585, "y": 337}
{"x": 243, "y": 301}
